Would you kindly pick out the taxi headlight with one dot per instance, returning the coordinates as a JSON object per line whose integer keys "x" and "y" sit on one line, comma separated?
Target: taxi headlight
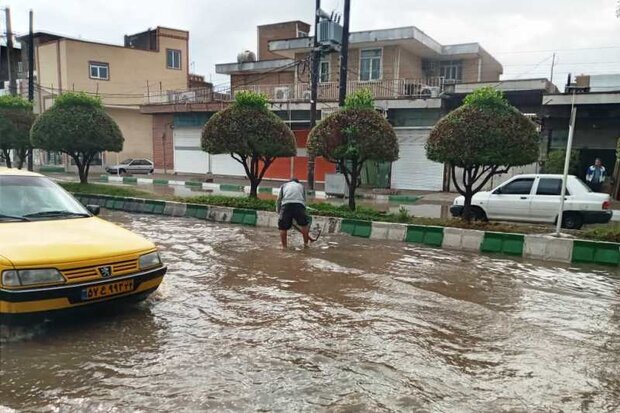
{"x": 150, "y": 260}
{"x": 13, "y": 278}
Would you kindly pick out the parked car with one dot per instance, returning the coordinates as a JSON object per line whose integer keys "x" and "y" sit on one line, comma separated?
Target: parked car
{"x": 131, "y": 166}
{"x": 536, "y": 198}
{"x": 57, "y": 257}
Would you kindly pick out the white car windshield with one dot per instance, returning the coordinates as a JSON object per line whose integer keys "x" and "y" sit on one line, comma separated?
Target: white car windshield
{"x": 126, "y": 162}
{"x": 26, "y": 198}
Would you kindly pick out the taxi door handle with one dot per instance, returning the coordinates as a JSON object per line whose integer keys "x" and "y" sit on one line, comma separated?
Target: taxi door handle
{"x": 523, "y": 197}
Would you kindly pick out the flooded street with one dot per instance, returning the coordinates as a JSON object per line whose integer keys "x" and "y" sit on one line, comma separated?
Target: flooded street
{"x": 349, "y": 325}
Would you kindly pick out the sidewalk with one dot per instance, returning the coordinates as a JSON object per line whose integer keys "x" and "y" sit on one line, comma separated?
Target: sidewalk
{"x": 239, "y": 183}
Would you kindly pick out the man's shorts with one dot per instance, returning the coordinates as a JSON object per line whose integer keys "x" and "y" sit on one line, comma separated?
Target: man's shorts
{"x": 290, "y": 212}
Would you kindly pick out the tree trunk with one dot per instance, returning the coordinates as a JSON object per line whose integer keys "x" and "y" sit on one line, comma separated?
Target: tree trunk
{"x": 352, "y": 188}
{"x": 7, "y": 157}
{"x": 254, "y": 188}
{"x": 21, "y": 158}
{"x": 82, "y": 165}
{"x": 466, "y": 215}
{"x": 83, "y": 174}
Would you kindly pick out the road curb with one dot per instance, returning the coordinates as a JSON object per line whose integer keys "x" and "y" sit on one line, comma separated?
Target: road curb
{"x": 537, "y": 247}
{"x": 209, "y": 186}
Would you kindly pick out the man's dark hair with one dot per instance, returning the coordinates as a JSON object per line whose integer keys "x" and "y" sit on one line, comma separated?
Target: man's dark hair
{"x": 295, "y": 180}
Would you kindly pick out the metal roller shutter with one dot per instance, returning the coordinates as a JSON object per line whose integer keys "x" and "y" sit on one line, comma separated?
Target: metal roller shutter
{"x": 190, "y": 158}
{"x": 413, "y": 170}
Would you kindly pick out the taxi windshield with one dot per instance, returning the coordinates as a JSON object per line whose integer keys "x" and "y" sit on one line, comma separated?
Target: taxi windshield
{"x": 29, "y": 198}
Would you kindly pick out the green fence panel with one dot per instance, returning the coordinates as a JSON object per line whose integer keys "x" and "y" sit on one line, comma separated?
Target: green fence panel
{"x": 109, "y": 203}
{"x": 355, "y": 227}
{"x": 51, "y": 168}
{"x": 130, "y": 180}
{"x": 244, "y": 217}
{"x": 196, "y": 211}
{"x": 103, "y": 178}
{"x": 119, "y": 203}
{"x": 158, "y": 207}
{"x": 513, "y": 244}
{"x": 263, "y": 190}
{"x": 231, "y": 187}
{"x": 403, "y": 198}
{"x": 433, "y": 236}
{"x": 500, "y": 243}
{"x": 160, "y": 182}
{"x": 605, "y": 253}
{"x": 427, "y": 235}
{"x": 193, "y": 184}
{"x": 415, "y": 233}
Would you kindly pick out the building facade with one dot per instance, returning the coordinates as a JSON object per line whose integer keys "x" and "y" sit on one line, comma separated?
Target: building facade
{"x": 408, "y": 72}
{"x": 147, "y": 64}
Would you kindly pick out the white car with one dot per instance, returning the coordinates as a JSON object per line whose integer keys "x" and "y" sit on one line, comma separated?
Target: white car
{"x": 132, "y": 166}
{"x": 536, "y": 198}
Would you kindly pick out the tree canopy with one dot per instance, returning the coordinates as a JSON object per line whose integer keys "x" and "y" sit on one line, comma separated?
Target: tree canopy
{"x": 485, "y": 136}
{"x": 352, "y": 136}
{"x": 252, "y": 135}
{"x": 16, "y": 118}
{"x": 77, "y": 125}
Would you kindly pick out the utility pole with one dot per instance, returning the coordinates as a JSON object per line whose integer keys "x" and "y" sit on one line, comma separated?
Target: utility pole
{"x": 344, "y": 54}
{"x": 314, "y": 95}
{"x": 552, "y": 66}
{"x": 31, "y": 81}
{"x": 569, "y": 147}
{"x": 9, "y": 53}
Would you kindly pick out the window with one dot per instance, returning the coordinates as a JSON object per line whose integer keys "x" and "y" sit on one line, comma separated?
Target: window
{"x": 99, "y": 71}
{"x": 173, "y": 59}
{"x": 521, "y": 186}
{"x": 549, "y": 186}
{"x": 451, "y": 70}
{"x": 370, "y": 64}
{"x": 324, "y": 71}
{"x": 20, "y": 67}
{"x": 302, "y": 33}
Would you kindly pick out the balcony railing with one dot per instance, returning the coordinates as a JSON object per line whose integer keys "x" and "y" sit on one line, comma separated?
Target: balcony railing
{"x": 300, "y": 92}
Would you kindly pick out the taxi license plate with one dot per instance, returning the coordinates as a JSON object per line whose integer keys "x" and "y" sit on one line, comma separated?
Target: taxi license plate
{"x": 106, "y": 290}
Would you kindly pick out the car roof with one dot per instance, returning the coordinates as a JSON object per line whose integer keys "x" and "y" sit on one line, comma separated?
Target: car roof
{"x": 16, "y": 172}
{"x": 559, "y": 176}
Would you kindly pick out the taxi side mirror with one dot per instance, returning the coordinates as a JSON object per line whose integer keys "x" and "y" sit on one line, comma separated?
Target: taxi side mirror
{"x": 93, "y": 209}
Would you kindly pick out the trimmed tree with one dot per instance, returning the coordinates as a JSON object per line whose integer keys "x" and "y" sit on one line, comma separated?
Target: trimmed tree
{"x": 16, "y": 118}
{"x": 486, "y": 136}
{"x": 77, "y": 125}
{"x": 252, "y": 135}
{"x": 352, "y": 136}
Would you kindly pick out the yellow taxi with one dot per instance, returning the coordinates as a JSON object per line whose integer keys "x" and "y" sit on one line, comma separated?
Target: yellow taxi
{"x": 57, "y": 257}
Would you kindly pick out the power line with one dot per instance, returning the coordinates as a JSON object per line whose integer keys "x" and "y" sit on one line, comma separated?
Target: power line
{"x": 558, "y": 50}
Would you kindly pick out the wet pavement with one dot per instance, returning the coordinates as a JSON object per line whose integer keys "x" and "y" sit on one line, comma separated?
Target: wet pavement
{"x": 348, "y": 325}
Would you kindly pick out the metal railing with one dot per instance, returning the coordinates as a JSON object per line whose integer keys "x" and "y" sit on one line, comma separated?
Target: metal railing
{"x": 327, "y": 91}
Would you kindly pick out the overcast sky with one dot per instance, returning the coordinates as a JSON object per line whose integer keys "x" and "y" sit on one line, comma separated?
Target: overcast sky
{"x": 522, "y": 35}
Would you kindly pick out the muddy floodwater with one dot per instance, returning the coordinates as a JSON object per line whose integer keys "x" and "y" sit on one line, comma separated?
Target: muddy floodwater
{"x": 349, "y": 325}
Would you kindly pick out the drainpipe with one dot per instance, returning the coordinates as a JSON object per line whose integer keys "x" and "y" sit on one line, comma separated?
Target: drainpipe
{"x": 480, "y": 69}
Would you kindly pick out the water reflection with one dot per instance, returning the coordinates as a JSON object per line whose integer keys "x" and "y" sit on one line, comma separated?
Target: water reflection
{"x": 347, "y": 325}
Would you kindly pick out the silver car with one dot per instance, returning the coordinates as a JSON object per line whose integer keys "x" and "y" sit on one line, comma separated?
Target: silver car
{"x": 131, "y": 166}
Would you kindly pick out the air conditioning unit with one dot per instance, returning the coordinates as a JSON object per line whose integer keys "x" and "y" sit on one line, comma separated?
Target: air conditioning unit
{"x": 185, "y": 97}
{"x": 281, "y": 93}
{"x": 307, "y": 95}
{"x": 430, "y": 91}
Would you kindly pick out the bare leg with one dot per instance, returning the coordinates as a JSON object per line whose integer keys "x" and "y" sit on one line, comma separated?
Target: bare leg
{"x": 305, "y": 232}
{"x": 283, "y": 238}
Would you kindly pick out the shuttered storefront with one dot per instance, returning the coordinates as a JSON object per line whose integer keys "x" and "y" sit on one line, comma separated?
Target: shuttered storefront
{"x": 413, "y": 170}
{"x": 190, "y": 158}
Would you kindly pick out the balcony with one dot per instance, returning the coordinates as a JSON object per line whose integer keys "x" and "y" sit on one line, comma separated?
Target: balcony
{"x": 300, "y": 92}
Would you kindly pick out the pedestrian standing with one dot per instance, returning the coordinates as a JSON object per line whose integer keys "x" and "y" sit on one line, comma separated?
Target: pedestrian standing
{"x": 291, "y": 205}
{"x": 595, "y": 175}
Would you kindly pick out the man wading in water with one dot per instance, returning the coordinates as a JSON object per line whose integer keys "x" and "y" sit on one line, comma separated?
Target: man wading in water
{"x": 291, "y": 205}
